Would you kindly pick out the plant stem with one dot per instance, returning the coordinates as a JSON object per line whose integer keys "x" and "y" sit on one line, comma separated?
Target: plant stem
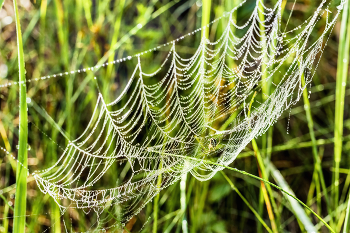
{"x": 21, "y": 171}
{"x": 267, "y": 137}
{"x": 116, "y": 29}
{"x": 246, "y": 202}
{"x": 183, "y": 202}
{"x": 263, "y": 174}
{"x": 319, "y": 179}
{"x": 206, "y": 7}
{"x": 342, "y": 72}
{"x": 297, "y": 209}
{"x": 257, "y": 178}
{"x": 156, "y": 201}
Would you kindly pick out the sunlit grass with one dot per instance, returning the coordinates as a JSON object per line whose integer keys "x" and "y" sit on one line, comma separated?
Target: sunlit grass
{"x": 79, "y": 34}
{"x": 21, "y": 171}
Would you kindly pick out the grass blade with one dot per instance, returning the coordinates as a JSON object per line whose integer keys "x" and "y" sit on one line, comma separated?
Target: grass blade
{"x": 21, "y": 172}
{"x": 342, "y": 72}
{"x": 263, "y": 174}
{"x": 318, "y": 175}
{"x": 183, "y": 202}
{"x": 257, "y": 178}
{"x": 206, "y": 7}
{"x": 346, "y": 224}
{"x": 155, "y": 205}
{"x": 246, "y": 202}
{"x": 297, "y": 209}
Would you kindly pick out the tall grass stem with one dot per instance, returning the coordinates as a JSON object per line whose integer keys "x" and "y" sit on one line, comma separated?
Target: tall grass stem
{"x": 21, "y": 171}
{"x": 342, "y": 74}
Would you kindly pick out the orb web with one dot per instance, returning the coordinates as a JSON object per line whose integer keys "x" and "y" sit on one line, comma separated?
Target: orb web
{"x": 198, "y": 107}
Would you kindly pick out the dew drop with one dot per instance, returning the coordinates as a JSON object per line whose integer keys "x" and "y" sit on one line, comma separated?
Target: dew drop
{"x": 29, "y": 100}
{"x": 17, "y": 147}
{"x": 288, "y": 122}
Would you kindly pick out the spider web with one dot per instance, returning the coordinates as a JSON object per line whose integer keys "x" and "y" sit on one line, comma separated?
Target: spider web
{"x": 198, "y": 107}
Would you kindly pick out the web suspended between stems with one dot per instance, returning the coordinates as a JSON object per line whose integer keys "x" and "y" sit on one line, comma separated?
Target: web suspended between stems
{"x": 199, "y": 108}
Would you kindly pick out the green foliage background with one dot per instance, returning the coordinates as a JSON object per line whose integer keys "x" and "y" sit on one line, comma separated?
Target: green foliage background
{"x": 63, "y": 35}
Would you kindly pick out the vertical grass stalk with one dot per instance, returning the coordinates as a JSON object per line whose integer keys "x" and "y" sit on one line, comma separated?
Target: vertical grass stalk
{"x": 265, "y": 92}
{"x": 246, "y": 202}
{"x": 156, "y": 201}
{"x": 318, "y": 174}
{"x": 21, "y": 171}
{"x": 206, "y": 7}
{"x": 347, "y": 217}
{"x": 116, "y": 29}
{"x": 342, "y": 73}
{"x": 183, "y": 202}
{"x": 263, "y": 174}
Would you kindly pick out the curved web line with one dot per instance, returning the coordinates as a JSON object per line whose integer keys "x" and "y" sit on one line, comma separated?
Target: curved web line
{"x": 153, "y": 127}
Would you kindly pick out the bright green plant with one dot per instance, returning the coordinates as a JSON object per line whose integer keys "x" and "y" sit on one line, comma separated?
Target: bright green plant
{"x": 21, "y": 171}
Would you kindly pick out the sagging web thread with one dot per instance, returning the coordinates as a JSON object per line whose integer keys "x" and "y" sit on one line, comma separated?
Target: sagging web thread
{"x": 151, "y": 128}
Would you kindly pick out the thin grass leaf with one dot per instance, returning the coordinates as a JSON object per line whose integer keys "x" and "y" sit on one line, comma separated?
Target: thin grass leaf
{"x": 21, "y": 171}
{"x": 246, "y": 202}
{"x": 299, "y": 212}
{"x": 342, "y": 74}
{"x": 260, "y": 179}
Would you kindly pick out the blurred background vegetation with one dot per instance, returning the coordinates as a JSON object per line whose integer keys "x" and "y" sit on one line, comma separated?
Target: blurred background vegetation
{"x": 63, "y": 35}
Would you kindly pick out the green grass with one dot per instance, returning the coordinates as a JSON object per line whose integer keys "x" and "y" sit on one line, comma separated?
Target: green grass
{"x": 21, "y": 170}
{"x": 342, "y": 76}
{"x": 246, "y": 202}
{"x": 263, "y": 180}
{"x": 61, "y": 35}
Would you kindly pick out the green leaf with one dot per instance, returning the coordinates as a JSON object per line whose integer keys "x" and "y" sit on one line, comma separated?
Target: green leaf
{"x": 21, "y": 171}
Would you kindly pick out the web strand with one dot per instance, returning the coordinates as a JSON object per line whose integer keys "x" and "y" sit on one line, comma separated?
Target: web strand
{"x": 147, "y": 131}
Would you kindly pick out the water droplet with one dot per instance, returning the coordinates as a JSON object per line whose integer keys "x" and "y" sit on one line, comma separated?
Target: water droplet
{"x": 29, "y": 100}
{"x": 29, "y": 147}
{"x": 17, "y": 147}
{"x": 288, "y": 122}
{"x": 139, "y": 25}
{"x": 3, "y": 71}
{"x": 344, "y": 84}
